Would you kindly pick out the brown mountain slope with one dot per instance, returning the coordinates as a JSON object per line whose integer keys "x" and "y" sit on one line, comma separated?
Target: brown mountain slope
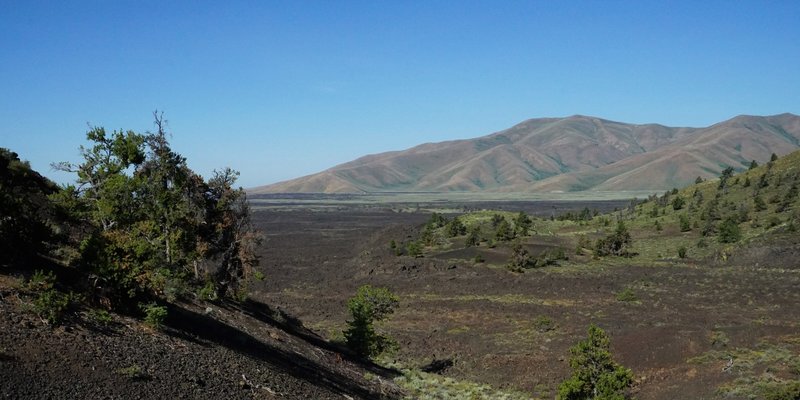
{"x": 562, "y": 154}
{"x": 731, "y": 143}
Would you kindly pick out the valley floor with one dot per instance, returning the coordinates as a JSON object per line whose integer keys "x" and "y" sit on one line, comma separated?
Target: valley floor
{"x": 690, "y": 330}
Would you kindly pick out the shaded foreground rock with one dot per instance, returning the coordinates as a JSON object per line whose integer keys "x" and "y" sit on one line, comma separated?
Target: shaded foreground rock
{"x": 231, "y": 352}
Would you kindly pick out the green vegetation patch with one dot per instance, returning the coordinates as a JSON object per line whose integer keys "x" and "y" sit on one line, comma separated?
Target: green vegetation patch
{"x": 768, "y": 371}
{"x": 427, "y": 386}
{"x": 502, "y": 298}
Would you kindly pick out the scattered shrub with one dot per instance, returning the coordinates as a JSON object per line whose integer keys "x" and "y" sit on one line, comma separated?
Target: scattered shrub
{"x": 414, "y": 249}
{"x": 794, "y": 367}
{"x": 785, "y": 391}
{"x": 154, "y": 315}
{"x": 719, "y": 339}
{"x": 543, "y": 323}
{"x": 615, "y": 244}
{"x": 520, "y": 258}
{"x": 41, "y": 281}
{"x": 51, "y": 305}
{"x": 551, "y": 257}
{"x": 208, "y": 292}
{"x": 100, "y": 317}
{"x": 259, "y": 275}
{"x": 627, "y": 295}
{"x": 773, "y": 221}
{"x": 682, "y": 252}
{"x": 684, "y": 223}
{"x": 134, "y": 372}
{"x": 583, "y": 243}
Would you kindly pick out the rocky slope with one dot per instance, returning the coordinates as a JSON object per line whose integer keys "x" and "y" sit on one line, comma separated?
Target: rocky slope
{"x": 205, "y": 351}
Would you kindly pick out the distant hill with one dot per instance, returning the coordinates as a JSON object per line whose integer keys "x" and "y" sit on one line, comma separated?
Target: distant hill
{"x": 562, "y": 154}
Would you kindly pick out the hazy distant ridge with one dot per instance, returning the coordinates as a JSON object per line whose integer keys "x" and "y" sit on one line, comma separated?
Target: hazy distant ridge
{"x": 562, "y": 154}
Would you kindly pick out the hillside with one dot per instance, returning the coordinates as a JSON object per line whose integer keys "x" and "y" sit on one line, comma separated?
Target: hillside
{"x": 562, "y": 154}
{"x": 759, "y": 210}
{"x": 204, "y": 351}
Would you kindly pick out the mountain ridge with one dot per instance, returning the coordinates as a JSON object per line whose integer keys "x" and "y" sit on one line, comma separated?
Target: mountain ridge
{"x": 575, "y": 153}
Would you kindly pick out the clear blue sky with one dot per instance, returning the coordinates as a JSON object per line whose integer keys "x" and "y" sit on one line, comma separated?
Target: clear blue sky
{"x": 282, "y": 89}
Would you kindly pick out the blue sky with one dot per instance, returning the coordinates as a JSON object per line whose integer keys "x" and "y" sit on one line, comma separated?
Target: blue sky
{"x": 282, "y": 89}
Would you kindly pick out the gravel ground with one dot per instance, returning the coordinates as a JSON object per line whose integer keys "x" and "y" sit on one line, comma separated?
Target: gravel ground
{"x": 221, "y": 351}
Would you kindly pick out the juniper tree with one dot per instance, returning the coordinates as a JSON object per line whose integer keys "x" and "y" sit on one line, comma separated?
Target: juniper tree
{"x": 151, "y": 222}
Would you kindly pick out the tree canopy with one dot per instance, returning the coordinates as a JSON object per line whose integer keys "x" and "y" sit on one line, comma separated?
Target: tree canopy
{"x": 152, "y": 226}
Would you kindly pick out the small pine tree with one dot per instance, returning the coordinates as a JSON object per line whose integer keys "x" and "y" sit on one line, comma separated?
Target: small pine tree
{"x": 520, "y": 258}
{"x": 369, "y": 305}
{"x": 496, "y": 220}
{"x": 726, "y": 174}
{"x": 595, "y": 375}
{"x": 473, "y": 238}
{"x": 753, "y": 164}
{"x": 684, "y": 223}
{"x": 504, "y": 231}
{"x": 763, "y": 181}
{"x": 456, "y": 228}
{"x": 414, "y": 249}
{"x": 729, "y": 231}
{"x": 678, "y": 203}
{"x": 522, "y": 224}
{"x": 759, "y": 203}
